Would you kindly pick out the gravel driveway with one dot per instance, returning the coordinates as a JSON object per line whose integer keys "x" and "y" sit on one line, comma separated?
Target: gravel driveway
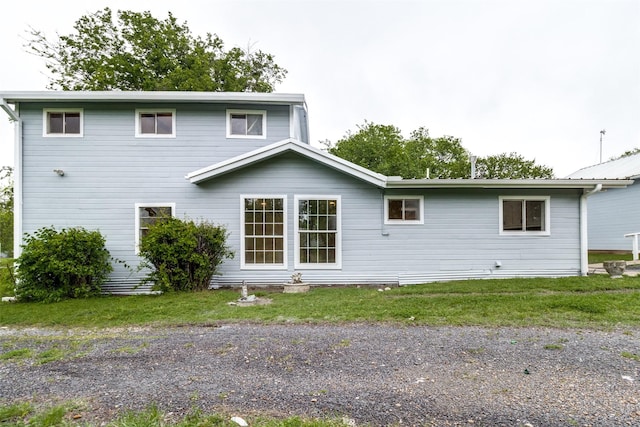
{"x": 372, "y": 374}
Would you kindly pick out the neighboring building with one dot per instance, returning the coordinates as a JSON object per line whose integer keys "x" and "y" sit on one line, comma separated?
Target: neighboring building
{"x": 614, "y": 212}
{"x": 115, "y": 161}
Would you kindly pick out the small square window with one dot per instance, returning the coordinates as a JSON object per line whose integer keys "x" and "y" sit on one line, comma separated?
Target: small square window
{"x": 160, "y": 124}
{"x": 58, "y": 122}
{"x": 246, "y": 124}
{"x": 524, "y": 215}
{"x": 403, "y": 210}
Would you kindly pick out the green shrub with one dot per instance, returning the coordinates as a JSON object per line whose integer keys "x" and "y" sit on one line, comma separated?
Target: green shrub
{"x": 183, "y": 255}
{"x": 54, "y": 265}
{"x": 7, "y": 282}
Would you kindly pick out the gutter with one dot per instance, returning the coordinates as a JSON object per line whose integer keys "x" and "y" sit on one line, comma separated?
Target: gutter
{"x": 12, "y": 114}
{"x": 584, "y": 246}
{"x": 17, "y": 176}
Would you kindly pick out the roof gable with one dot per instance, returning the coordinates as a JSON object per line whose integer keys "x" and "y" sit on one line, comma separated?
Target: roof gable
{"x": 280, "y": 147}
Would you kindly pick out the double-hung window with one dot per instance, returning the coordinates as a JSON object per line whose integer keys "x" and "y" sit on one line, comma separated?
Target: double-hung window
{"x": 63, "y": 122}
{"x": 148, "y": 214}
{"x": 317, "y": 228}
{"x": 156, "y": 123}
{"x": 525, "y": 215}
{"x": 247, "y": 124}
{"x": 403, "y": 209}
{"x": 263, "y": 242}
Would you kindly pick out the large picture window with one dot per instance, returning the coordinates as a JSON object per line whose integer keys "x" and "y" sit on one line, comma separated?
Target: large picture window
{"x": 403, "y": 210}
{"x": 524, "y": 215}
{"x": 264, "y": 232}
{"x": 317, "y": 232}
{"x": 246, "y": 124}
{"x": 148, "y": 214}
{"x": 156, "y": 123}
{"x": 62, "y": 122}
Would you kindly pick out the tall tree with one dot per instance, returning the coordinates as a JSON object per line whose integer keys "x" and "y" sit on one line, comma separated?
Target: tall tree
{"x": 442, "y": 157}
{"x": 512, "y": 166}
{"x": 382, "y": 149}
{"x": 379, "y": 148}
{"x": 627, "y": 153}
{"x": 140, "y": 52}
{"x": 6, "y": 210}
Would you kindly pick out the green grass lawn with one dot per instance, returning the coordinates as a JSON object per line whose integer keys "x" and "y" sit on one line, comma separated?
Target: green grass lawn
{"x": 594, "y": 302}
{"x": 600, "y": 257}
{"x": 581, "y": 302}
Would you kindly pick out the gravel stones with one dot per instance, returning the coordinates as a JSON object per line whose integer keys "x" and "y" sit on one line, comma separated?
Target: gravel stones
{"x": 370, "y": 374}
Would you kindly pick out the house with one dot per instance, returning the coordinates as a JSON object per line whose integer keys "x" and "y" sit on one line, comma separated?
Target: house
{"x": 614, "y": 212}
{"x": 117, "y": 161}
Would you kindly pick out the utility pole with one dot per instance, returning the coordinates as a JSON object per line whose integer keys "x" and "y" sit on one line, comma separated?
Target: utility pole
{"x": 602, "y": 132}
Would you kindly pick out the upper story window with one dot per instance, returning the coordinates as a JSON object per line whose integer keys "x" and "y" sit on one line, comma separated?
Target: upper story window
{"x": 403, "y": 210}
{"x": 246, "y": 124}
{"x": 525, "y": 215}
{"x": 156, "y": 123}
{"x": 62, "y": 122}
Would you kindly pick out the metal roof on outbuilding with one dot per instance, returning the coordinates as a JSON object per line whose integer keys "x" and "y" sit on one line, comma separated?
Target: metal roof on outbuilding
{"x": 623, "y": 168}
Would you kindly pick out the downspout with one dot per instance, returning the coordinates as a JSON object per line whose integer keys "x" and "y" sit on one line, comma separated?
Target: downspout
{"x": 584, "y": 246}
{"x": 17, "y": 177}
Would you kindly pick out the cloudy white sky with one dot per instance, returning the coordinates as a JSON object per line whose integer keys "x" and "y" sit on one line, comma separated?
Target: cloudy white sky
{"x": 537, "y": 77}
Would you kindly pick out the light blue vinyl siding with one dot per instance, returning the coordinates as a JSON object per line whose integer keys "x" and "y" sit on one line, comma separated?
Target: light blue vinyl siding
{"x": 612, "y": 214}
{"x": 109, "y": 170}
{"x": 460, "y": 233}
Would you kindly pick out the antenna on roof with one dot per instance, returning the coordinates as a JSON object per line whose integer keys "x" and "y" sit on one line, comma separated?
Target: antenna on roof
{"x": 602, "y": 132}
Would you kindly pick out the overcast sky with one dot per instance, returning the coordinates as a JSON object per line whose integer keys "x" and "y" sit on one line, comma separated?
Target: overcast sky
{"x": 540, "y": 78}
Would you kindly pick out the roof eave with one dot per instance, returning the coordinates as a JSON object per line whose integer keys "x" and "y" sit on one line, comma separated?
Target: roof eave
{"x": 154, "y": 96}
{"x": 508, "y": 183}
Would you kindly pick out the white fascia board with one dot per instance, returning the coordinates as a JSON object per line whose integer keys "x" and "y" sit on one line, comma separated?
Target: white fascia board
{"x": 280, "y": 147}
{"x": 154, "y": 96}
{"x": 395, "y": 182}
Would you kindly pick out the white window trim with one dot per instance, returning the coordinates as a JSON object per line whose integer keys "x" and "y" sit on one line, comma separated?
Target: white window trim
{"x": 264, "y": 124}
{"x": 418, "y": 221}
{"x": 547, "y": 216}
{"x": 285, "y": 252}
{"x": 137, "y": 220}
{"x": 296, "y": 242}
{"x": 45, "y": 123}
{"x": 140, "y": 111}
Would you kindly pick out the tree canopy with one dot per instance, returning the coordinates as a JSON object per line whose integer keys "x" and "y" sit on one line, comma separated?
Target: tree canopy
{"x": 627, "y": 153}
{"x": 383, "y": 149}
{"x": 140, "y": 52}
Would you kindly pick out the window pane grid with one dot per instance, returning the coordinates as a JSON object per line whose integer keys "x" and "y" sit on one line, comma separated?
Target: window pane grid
{"x": 264, "y": 231}
{"x": 150, "y": 215}
{"x": 317, "y": 230}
